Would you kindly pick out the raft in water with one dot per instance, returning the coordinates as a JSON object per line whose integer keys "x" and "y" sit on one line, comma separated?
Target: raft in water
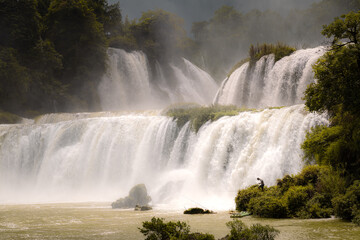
{"x": 240, "y": 214}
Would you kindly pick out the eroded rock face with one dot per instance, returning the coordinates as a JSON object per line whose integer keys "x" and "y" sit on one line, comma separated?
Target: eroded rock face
{"x": 137, "y": 196}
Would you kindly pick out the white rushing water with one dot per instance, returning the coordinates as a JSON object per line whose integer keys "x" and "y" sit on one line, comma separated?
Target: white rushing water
{"x": 269, "y": 83}
{"x": 130, "y": 84}
{"x": 100, "y": 157}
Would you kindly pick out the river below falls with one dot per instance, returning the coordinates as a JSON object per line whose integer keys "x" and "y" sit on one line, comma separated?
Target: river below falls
{"x": 99, "y": 221}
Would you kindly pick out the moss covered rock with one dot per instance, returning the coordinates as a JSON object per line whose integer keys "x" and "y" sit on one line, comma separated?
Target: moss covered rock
{"x": 137, "y": 196}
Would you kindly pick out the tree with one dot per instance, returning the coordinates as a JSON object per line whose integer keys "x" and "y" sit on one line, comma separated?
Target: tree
{"x": 338, "y": 72}
{"x": 337, "y": 91}
{"x": 77, "y": 35}
{"x": 19, "y": 24}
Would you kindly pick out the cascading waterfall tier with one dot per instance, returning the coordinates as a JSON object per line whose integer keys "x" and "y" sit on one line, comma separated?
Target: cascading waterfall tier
{"x": 130, "y": 84}
{"x": 269, "y": 83}
{"x": 100, "y": 157}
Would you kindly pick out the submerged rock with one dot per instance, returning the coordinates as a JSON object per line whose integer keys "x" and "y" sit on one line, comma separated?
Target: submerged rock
{"x": 137, "y": 196}
{"x": 142, "y": 208}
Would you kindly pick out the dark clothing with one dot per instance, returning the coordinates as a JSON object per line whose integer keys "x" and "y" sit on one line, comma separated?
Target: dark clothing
{"x": 261, "y": 184}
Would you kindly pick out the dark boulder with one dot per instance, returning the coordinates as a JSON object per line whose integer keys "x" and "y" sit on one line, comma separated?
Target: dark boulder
{"x": 137, "y": 196}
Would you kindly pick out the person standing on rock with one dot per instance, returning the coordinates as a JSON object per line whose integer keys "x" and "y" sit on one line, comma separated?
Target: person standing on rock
{"x": 261, "y": 184}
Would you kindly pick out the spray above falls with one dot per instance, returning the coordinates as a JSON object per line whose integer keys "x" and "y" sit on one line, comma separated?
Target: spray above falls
{"x": 131, "y": 84}
{"x": 99, "y": 158}
{"x": 268, "y": 83}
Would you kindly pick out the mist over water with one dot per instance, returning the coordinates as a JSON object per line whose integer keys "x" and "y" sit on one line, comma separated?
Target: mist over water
{"x": 101, "y": 156}
{"x": 130, "y": 84}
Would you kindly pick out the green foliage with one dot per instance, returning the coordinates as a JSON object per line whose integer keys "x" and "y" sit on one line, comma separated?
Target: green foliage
{"x": 198, "y": 116}
{"x": 356, "y": 218}
{"x": 77, "y": 35}
{"x": 337, "y": 74}
{"x": 157, "y": 229}
{"x": 280, "y": 50}
{"x": 14, "y": 80}
{"x": 347, "y": 206}
{"x": 197, "y": 210}
{"x": 309, "y": 175}
{"x": 20, "y": 24}
{"x": 238, "y": 230}
{"x": 296, "y": 197}
{"x": 160, "y": 34}
{"x": 305, "y": 195}
{"x": 244, "y": 196}
{"x": 52, "y": 53}
{"x": 268, "y": 206}
{"x": 346, "y": 27}
{"x": 9, "y": 118}
{"x": 336, "y": 91}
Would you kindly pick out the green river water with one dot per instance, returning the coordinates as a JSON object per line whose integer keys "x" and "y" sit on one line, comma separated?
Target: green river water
{"x": 99, "y": 221}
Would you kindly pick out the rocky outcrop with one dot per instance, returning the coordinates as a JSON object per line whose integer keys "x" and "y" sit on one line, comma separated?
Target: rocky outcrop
{"x": 142, "y": 208}
{"x": 137, "y": 196}
{"x": 197, "y": 210}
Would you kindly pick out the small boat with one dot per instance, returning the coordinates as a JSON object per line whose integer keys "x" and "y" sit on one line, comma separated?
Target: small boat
{"x": 240, "y": 214}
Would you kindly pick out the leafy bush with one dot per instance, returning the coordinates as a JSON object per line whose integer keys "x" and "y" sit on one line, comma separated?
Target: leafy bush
{"x": 296, "y": 198}
{"x": 280, "y": 50}
{"x": 285, "y": 183}
{"x": 157, "y": 229}
{"x": 309, "y": 175}
{"x": 305, "y": 195}
{"x": 197, "y": 210}
{"x": 244, "y": 196}
{"x": 268, "y": 206}
{"x": 238, "y": 230}
{"x": 347, "y": 206}
{"x": 356, "y": 218}
{"x": 198, "y": 115}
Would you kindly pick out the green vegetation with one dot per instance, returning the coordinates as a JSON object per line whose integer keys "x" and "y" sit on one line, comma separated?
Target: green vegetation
{"x": 8, "y": 118}
{"x": 337, "y": 92}
{"x": 53, "y": 52}
{"x": 347, "y": 206}
{"x": 230, "y": 33}
{"x": 306, "y": 195}
{"x": 280, "y": 50}
{"x": 200, "y": 115}
{"x": 197, "y": 210}
{"x": 160, "y": 34}
{"x": 238, "y": 230}
{"x": 158, "y": 229}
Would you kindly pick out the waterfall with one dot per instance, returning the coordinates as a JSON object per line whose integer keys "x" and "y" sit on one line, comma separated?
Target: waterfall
{"x": 269, "y": 83}
{"x": 99, "y": 157}
{"x": 130, "y": 84}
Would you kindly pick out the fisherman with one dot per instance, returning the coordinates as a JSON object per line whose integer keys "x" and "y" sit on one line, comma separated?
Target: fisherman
{"x": 261, "y": 184}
